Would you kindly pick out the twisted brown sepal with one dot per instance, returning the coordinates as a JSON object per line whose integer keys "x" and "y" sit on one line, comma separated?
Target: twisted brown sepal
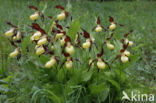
{"x": 121, "y": 25}
{"x": 91, "y": 64}
{"x": 85, "y": 34}
{"x": 38, "y": 28}
{"x": 126, "y": 35}
{"x": 110, "y": 37}
{"x": 36, "y": 9}
{"x": 78, "y": 39}
{"x": 67, "y": 39}
{"x": 9, "y": 23}
{"x": 98, "y": 21}
{"x": 118, "y": 56}
{"x": 13, "y": 43}
{"x": 59, "y": 26}
{"x": 77, "y": 60}
{"x": 124, "y": 47}
{"x": 49, "y": 39}
{"x": 121, "y": 51}
{"x": 59, "y": 7}
{"x": 67, "y": 14}
{"x": 106, "y": 63}
{"x": 18, "y": 41}
{"x": 111, "y": 19}
{"x": 50, "y": 17}
{"x": 42, "y": 16}
{"x": 18, "y": 57}
{"x": 33, "y": 7}
{"x": 71, "y": 18}
{"x": 47, "y": 50}
{"x": 95, "y": 44}
{"x": 57, "y": 59}
{"x": 66, "y": 55}
{"x": 101, "y": 53}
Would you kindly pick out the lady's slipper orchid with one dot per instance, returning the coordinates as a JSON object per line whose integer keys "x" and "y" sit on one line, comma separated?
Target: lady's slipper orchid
{"x": 68, "y": 64}
{"x": 63, "y": 14}
{"x": 17, "y": 36}
{"x": 51, "y": 62}
{"x": 52, "y": 47}
{"x": 124, "y": 59}
{"x": 14, "y": 53}
{"x": 62, "y": 41}
{"x": 42, "y": 41}
{"x": 110, "y": 46}
{"x": 100, "y": 64}
{"x": 58, "y": 35}
{"x": 69, "y": 48}
{"x": 130, "y": 42}
{"x": 123, "y": 54}
{"x": 127, "y": 53}
{"x": 40, "y": 50}
{"x": 125, "y": 40}
{"x": 9, "y": 32}
{"x": 90, "y": 61}
{"x": 112, "y": 26}
{"x": 34, "y": 16}
{"x": 98, "y": 28}
{"x": 87, "y": 44}
{"x": 37, "y": 35}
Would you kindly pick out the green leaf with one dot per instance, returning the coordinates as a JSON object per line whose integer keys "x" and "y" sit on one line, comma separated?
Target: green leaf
{"x": 25, "y": 43}
{"x": 74, "y": 28}
{"x": 115, "y": 84}
{"x": 60, "y": 75}
{"x": 96, "y": 89}
{"x": 53, "y": 97}
{"x": 86, "y": 76}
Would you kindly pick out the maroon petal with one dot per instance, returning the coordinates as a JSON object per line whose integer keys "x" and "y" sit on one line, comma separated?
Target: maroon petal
{"x": 86, "y": 34}
{"x": 57, "y": 59}
{"x": 59, "y": 26}
{"x": 12, "y": 43}
{"x": 66, "y": 13}
{"x": 118, "y": 56}
{"x": 106, "y": 63}
{"x": 101, "y": 53}
{"x": 109, "y": 37}
{"x": 50, "y": 17}
{"x": 59, "y": 7}
{"x": 98, "y": 20}
{"x": 128, "y": 33}
{"x": 124, "y": 47}
{"x": 67, "y": 39}
{"x": 42, "y": 16}
{"x": 9, "y": 23}
{"x": 33, "y": 7}
{"x": 121, "y": 25}
{"x": 47, "y": 50}
{"x": 91, "y": 64}
{"x": 94, "y": 28}
{"x": 18, "y": 41}
{"x": 38, "y": 28}
{"x": 111, "y": 19}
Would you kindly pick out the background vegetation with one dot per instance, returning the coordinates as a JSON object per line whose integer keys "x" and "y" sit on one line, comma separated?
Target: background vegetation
{"x": 26, "y": 80}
